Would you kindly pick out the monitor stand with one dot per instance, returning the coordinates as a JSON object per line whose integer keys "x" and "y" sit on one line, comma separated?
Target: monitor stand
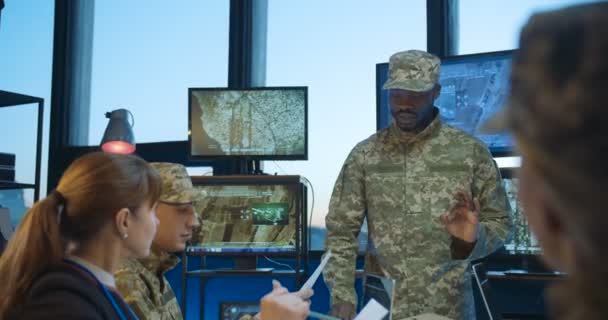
{"x": 239, "y": 167}
{"x": 256, "y": 168}
{"x": 245, "y": 265}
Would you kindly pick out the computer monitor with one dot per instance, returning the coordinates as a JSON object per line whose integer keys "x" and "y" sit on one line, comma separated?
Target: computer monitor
{"x": 239, "y": 310}
{"x": 473, "y": 88}
{"x": 253, "y": 215}
{"x": 267, "y": 123}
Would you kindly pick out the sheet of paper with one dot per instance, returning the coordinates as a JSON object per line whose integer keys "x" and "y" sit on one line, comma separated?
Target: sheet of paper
{"x": 372, "y": 311}
{"x": 315, "y": 275}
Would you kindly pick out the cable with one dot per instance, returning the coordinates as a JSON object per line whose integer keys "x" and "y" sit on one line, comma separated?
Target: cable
{"x": 278, "y": 263}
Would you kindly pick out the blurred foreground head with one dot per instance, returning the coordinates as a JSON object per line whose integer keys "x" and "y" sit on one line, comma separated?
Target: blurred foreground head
{"x": 558, "y": 113}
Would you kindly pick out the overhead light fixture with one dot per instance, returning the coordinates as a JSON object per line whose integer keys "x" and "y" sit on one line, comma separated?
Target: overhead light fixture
{"x": 118, "y": 137}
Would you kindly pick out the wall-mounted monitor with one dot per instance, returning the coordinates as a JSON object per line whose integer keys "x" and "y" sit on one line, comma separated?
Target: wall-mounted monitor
{"x": 473, "y": 88}
{"x": 267, "y": 123}
{"x": 250, "y": 214}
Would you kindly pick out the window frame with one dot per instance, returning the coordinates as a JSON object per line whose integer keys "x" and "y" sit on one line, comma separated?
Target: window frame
{"x": 246, "y": 68}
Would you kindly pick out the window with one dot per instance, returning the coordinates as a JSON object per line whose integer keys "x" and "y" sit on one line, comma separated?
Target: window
{"x": 145, "y": 56}
{"x": 494, "y": 25}
{"x": 333, "y": 48}
{"x": 26, "y": 58}
{"x": 199, "y": 171}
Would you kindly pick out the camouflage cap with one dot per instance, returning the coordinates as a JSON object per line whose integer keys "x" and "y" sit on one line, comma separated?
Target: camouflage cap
{"x": 413, "y": 70}
{"x": 177, "y": 185}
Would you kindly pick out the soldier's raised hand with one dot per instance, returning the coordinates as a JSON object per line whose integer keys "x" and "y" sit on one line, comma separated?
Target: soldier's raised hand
{"x": 462, "y": 219}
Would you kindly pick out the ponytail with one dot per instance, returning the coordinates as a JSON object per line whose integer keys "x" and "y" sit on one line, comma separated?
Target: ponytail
{"x": 36, "y": 245}
{"x": 93, "y": 188}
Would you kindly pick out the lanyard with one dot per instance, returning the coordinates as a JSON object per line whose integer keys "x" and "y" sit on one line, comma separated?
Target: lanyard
{"x": 107, "y": 293}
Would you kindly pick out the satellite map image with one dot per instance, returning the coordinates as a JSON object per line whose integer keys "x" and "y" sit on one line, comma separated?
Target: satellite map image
{"x": 246, "y": 216}
{"x": 248, "y": 122}
{"x": 471, "y": 93}
{"x": 472, "y": 90}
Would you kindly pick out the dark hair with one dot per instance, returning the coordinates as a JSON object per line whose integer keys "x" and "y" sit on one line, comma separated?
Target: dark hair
{"x": 91, "y": 191}
{"x": 559, "y": 115}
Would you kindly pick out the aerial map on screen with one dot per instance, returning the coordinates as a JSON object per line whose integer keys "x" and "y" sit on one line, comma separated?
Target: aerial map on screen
{"x": 471, "y": 93}
{"x": 248, "y": 122}
{"x": 246, "y": 218}
{"x": 473, "y": 88}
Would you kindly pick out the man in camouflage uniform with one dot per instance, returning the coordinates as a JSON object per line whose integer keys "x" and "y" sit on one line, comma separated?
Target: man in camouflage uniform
{"x": 142, "y": 282}
{"x": 433, "y": 200}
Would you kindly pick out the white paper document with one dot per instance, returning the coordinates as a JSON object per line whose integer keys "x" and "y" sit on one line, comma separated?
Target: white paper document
{"x": 372, "y": 311}
{"x": 315, "y": 275}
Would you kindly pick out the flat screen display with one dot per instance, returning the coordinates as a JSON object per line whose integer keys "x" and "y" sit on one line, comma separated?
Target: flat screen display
{"x": 256, "y": 123}
{"x": 247, "y": 216}
{"x": 473, "y": 89}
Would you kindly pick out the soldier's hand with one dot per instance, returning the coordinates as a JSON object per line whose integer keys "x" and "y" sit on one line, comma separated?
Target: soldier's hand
{"x": 343, "y": 310}
{"x": 304, "y": 293}
{"x": 462, "y": 219}
{"x": 282, "y": 305}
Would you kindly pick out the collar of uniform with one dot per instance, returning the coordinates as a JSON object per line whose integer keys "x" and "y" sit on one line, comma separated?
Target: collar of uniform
{"x": 103, "y": 276}
{"x": 159, "y": 261}
{"x": 407, "y": 138}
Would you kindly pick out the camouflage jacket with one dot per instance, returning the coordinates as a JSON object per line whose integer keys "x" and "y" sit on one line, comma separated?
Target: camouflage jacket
{"x": 144, "y": 287}
{"x": 402, "y": 184}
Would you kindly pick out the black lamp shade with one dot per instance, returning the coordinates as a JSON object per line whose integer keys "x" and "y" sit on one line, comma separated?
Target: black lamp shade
{"x": 118, "y": 137}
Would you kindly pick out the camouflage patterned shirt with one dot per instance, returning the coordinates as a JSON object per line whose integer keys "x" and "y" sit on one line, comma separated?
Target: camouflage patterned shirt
{"x": 144, "y": 287}
{"x": 402, "y": 183}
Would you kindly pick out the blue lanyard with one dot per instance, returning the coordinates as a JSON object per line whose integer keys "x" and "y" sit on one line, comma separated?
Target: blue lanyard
{"x": 107, "y": 293}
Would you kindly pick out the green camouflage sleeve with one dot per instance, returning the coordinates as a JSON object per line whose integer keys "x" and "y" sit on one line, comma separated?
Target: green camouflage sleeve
{"x": 495, "y": 223}
{"x": 137, "y": 295}
{"x": 343, "y": 221}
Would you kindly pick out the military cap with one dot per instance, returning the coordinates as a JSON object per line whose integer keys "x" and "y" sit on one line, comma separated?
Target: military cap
{"x": 413, "y": 70}
{"x": 176, "y": 183}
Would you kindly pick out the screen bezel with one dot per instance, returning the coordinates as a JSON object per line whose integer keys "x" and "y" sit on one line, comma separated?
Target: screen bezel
{"x": 301, "y": 235}
{"x": 233, "y": 157}
{"x": 381, "y": 67}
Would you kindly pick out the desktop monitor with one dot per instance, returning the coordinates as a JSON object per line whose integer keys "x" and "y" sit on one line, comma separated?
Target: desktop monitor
{"x": 249, "y": 214}
{"x": 267, "y": 123}
{"x": 473, "y": 88}
{"x": 239, "y": 310}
